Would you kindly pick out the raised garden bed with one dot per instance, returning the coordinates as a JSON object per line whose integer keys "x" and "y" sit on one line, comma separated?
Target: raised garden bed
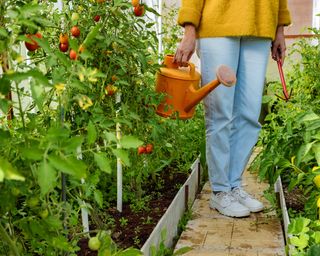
{"x": 143, "y": 229}
{"x": 288, "y": 199}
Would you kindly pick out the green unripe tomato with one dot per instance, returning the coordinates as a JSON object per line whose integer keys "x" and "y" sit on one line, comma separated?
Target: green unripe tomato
{"x": 44, "y": 214}
{"x": 15, "y": 191}
{"x": 105, "y": 252}
{"x": 94, "y": 243}
{"x": 33, "y": 202}
{"x": 75, "y": 16}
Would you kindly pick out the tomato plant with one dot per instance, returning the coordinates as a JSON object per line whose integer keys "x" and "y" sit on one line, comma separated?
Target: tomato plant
{"x": 64, "y": 125}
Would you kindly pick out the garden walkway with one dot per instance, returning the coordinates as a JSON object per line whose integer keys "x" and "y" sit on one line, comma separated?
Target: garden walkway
{"x": 212, "y": 234}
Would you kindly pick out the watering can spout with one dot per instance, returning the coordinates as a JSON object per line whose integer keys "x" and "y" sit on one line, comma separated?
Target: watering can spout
{"x": 181, "y": 87}
{"x": 193, "y": 96}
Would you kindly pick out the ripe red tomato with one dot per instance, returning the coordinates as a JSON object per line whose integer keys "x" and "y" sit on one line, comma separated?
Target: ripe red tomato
{"x": 96, "y": 18}
{"x": 33, "y": 45}
{"x": 63, "y": 38}
{"x": 138, "y": 10}
{"x": 63, "y": 47}
{"x": 141, "y": 150}
{"x": 149, "y": 148}
{"x": 75, "y": 31}
{"x": 73, "y": 55}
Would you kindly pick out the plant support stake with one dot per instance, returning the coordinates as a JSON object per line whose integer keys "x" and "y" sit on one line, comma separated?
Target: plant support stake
{"x": 119, "y": 164}
{"x": 84, "y": 210}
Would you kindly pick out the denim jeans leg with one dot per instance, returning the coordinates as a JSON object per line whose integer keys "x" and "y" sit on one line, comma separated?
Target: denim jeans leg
{"x": 218, "y": 107}
{"x": 253, "y": 60}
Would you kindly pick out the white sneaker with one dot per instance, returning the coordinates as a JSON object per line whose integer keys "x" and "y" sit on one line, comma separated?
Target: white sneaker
{"x": 247, "y": 200}
{"x": 227, "y": 205}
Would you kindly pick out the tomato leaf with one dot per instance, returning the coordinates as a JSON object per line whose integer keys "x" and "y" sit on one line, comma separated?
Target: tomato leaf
{"x": 91, "y": 35}
{"x": 92, "y": 133}
{"x": 123, "y": 155}
{"x": 68, "y": 165}
{"x": 32, "y": 153}
{"x": 98, "y": 197}
{"x": 102, "y": 162}
{"x": 37, "y": 95}
{"x": 46, "y": 177}
{"x": 130, "y": 142}
{"x": 72, "y": 144}
{"x": 8, "y": 171}
{"x": 110, "y": 136}
{"x": 4, "y": 105}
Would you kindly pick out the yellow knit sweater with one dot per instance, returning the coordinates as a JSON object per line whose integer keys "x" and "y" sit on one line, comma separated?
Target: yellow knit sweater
{"x": 220, "y": 18}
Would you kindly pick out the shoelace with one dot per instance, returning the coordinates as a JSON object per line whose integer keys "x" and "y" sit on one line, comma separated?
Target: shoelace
{"x": 227, "y": 196}
{"x": 241, "y": 193}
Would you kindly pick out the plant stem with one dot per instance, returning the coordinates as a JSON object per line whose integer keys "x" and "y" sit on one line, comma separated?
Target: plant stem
{"x": 10, "y": 242}
{"x": 20, "y": 107}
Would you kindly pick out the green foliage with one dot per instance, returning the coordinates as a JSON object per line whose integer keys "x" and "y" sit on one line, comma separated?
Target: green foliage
{"x": 66, "y": 124}
{"x": 304, "y": 236}
{"x": 290, "y": 141}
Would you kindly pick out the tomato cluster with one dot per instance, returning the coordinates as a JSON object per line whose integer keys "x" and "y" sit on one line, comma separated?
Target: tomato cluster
{"x": 147, "y": 149}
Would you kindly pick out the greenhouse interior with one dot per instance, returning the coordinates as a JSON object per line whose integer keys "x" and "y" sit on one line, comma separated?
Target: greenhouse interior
{"x": 159, "y": 127}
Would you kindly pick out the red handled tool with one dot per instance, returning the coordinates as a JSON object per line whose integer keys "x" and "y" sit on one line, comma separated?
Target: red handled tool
{"x": 283, "y": 82}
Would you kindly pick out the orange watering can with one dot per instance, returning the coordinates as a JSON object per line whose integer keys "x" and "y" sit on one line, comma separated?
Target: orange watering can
{"x": 181, "y": 87}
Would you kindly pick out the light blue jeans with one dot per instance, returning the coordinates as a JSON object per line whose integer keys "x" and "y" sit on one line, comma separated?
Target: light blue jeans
{"x": 232, "y": 113}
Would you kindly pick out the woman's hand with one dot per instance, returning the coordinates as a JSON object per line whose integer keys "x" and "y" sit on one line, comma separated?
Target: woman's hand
{"x": 187, "y": 46}
{"x": 278, "y": 49}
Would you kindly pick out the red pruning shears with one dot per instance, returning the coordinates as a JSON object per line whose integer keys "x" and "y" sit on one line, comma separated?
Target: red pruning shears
{"x": 283, "y": 82}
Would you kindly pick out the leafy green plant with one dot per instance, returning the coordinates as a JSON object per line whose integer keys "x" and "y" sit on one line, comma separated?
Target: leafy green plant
{"x": 123, "y": 221}
{"x": 290, "y": 141}
{"x": 304, "y": 238}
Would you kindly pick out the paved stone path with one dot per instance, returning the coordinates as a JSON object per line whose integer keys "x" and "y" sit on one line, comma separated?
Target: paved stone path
{"x": 212, "y": 234}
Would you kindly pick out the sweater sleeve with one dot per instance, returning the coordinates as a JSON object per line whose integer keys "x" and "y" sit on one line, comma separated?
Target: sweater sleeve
{"x": 284, "y": 14}
{"x": 190, "y": 12}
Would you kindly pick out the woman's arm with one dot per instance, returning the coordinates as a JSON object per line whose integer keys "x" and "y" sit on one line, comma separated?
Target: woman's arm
{"x": 189, "y": 17}
{"x": 187, "y": 45}
{"x": 278, "y": 48}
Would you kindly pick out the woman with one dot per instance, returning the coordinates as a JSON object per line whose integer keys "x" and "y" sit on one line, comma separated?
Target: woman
{"x": 237, "y": 33}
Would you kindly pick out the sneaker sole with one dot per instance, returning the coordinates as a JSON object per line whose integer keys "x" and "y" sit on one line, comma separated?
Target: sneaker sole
{"x": 227, "y": 213}
{"x": 259, "y": 209}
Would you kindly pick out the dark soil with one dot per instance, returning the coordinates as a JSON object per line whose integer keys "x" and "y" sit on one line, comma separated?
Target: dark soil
{"x": 131, "y": 228}
{"x": 295, "y": 199}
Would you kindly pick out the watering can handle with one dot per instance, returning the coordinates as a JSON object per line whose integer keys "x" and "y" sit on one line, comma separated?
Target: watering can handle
{"x": 192, "y": 68}
{"x": 168, "y": 62}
